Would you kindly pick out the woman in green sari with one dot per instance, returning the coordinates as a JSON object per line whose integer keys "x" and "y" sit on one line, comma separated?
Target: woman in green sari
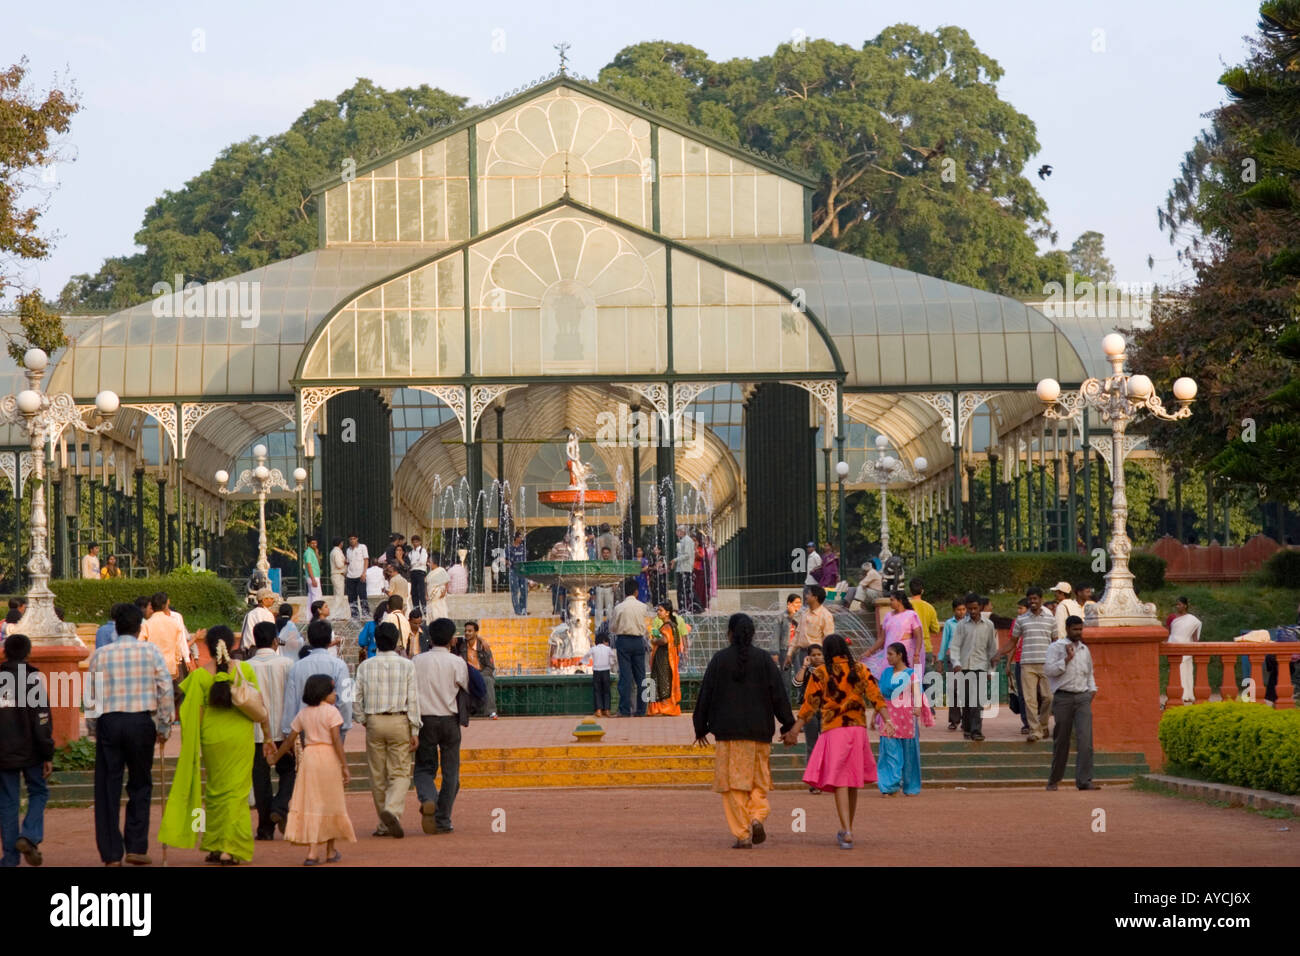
{"x": 216, "y": 735}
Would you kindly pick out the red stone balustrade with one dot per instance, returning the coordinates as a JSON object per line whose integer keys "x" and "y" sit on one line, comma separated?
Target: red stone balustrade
{"x": 1202, "y": 652}
{"x": 1213, "y": 562}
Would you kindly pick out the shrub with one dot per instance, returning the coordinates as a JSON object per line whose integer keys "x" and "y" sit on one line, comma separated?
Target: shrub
{"x": 75, "y": 755}
{"x": 1244, "y": 745}
{"x": 203, "y": 598}
{"x": 1282, "y": 570}
{"x": 952, "y": 574}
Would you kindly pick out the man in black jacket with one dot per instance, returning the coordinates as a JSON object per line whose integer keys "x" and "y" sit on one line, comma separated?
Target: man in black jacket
{"x": 26, "y": 752}
{"x": 740, "y": 697}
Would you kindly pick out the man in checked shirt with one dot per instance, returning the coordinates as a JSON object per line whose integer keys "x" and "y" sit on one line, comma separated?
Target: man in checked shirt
{"x": 132, "y": 709}
{"x": 388, "y": 705}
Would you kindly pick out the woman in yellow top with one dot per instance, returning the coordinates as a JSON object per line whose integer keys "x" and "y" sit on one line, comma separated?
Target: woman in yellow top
{"x": 110, "y": 568}
{"x": 841, "y": 761}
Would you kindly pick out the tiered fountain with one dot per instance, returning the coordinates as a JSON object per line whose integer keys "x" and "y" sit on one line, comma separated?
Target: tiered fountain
{"x": 578, "y": 573}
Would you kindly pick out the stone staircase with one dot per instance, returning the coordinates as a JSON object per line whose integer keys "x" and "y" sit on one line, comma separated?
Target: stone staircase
{"x": 947, "y": 765}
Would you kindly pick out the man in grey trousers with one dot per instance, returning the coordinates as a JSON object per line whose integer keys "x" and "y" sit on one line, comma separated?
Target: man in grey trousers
{"x": 1069, "y": 671}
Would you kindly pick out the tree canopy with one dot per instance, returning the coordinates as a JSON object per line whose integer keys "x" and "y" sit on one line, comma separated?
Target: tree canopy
{"x": 1236, "y": 208}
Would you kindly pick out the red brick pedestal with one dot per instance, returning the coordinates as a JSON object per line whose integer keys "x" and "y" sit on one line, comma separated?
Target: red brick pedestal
{"x": 61, "y": 665}
{"x": 1126, "y": 711}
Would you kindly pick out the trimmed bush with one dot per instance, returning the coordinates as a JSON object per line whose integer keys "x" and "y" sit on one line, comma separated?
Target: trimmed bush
{"x": 1244, "y": 745}
{"x": 204, "y": 598}
{"x": 1282, "y": 569}
{"x": 951, "y": 575}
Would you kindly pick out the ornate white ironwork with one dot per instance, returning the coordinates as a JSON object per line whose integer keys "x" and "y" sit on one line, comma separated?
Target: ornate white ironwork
{"x": 453, "y": 396}
{"x": 1102, "y": 446}
{"x": 310, "y": 400}
{"x": 941, "y": 402}
{"x": 1119, "y": 604}
{"x": 480, "y": 397}
{"x": 968, "y": 403}
{"x": 656, "y": 393}
{"x": 875, "y": 470}
{"x": 164, "y": 413}
{"x": 825, "y": 391}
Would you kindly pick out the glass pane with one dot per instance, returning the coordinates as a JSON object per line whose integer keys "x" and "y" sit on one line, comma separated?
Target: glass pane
{"x": 343, "y": 344}
{"x": 397, "y": 339}
{"x": 385, "y": 210}
{"x": 370, "y": 344}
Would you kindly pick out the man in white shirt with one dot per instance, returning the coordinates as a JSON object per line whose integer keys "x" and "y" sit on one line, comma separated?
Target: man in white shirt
{"x": 684, "y": 568}
{"x": 436, "y": 585}
{"x": 338, "y": 578}
{"x": 272, "y": 670}
{"x": 396, "y": 616}
{"x": 628, "y": 625}
{"x": 266, "y": 598}
{"x": 376, "y": 585}
{"x": 1185, "y": 628}
{"x": 439, "y": 676}
{"x": 90, "y": 563}
{"x": 395, "y": 583}
{"x": 814, "y": 563}
{"x": 457, "y": 579}
{"x": 973, "y": 649}
{"x": 1066, "y": 607}
{"x": 1069, "y": 671}
{"x": 356, "y": 558}
{"x": 419, "y": 558}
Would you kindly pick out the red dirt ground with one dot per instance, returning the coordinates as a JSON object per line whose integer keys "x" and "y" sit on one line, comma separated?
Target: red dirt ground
{"x": 686, "y": 828}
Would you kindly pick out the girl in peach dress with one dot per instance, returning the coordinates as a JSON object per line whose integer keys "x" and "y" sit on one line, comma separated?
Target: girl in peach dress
{"x": 318, "y": 813}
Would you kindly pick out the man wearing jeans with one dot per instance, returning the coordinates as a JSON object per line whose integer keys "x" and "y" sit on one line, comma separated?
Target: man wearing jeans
{"x": 439, "y": 676}
{"x": 357, "y": 557}
{"x": 628, "y": 627}
{"x": 516, "y": 555}
{"x": 1069, "y": 669}
{"x": 26, "y": 752}
{"x": 419, "y": 558}
{"x": 132, "y": 710}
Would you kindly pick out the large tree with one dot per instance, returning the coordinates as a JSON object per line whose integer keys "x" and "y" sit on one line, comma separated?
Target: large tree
{"x": 30, "y": 123}
{"x": 1087, "y": 258}
{"x": 1236, "y": 210}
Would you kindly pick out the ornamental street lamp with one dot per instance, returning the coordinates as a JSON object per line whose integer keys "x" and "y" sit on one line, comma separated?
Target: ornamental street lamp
{"x": 1119, "y": 399}
{"x": 884, "y": 470}
{"x": 261, "y": 480}
{"x": 45, "y": 416}
{"x": 841, "y": 470}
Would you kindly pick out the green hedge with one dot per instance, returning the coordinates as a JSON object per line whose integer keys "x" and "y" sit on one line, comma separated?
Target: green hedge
{"x": 947, "y": 576}
{"x": 1282, "y": 570}
{"x": 1244, "y": 745}
{"x": 205, "y": 599}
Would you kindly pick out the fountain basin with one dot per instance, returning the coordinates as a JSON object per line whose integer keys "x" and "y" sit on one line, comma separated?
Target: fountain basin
{"x": 578, "y": 574}
{"x": 576, "y": 498}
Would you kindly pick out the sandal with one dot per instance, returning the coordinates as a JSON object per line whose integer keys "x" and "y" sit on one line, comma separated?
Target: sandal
{"x": 846, "y": 843}
{"x": 213, "y": 857}
{"x": 310, "y": 862}
{"x": 335, "y": 858}
{"x": 228, "y": 861}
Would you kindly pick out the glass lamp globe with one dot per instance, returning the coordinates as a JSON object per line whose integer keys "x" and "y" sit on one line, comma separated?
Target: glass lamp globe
{"x": 1185, "y": 389}
{"x": 1139, "y": 387}
{"x": 882, "y": 442}
{"x": 259, "y": 451}
{"x": 28, "y": 401}
{"x": 1114, "y": 344}
{"x": 261, "y": 472}
{"x": 888, "y": 462}
{"x": 300, "y": 475}
{"x": 1049, "y": 390}
{"x": 107, "y": 402}
{"x": 842, "y": 468}
{"x": 222, "y": 476}
{"x": 36, "y": 359}
{"x": 920, "y": 465}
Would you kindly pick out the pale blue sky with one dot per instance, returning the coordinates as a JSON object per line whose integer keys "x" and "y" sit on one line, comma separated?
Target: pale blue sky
{"x": 1113, "y": 124}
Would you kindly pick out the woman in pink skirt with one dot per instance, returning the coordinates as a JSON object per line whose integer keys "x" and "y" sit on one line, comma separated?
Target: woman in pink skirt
{"x": 841, "y": 762}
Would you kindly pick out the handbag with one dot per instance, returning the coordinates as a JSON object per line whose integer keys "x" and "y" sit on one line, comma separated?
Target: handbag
{"x": 247, "y": 698}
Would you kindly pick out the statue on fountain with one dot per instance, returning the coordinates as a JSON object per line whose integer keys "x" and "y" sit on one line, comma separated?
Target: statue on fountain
{"x": 578, "y": 472}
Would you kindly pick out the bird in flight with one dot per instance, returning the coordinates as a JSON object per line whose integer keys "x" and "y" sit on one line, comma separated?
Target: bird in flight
{"x": 1044, "y": 171}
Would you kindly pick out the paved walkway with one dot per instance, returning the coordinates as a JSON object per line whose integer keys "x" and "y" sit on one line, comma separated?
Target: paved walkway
{"x": 686, "y": 828}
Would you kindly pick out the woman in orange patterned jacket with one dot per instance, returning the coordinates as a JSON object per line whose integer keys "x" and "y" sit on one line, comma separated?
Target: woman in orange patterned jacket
{"x": 842, "y": 690}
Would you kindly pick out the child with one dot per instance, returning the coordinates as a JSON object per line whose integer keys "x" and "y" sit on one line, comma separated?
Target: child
{"x": 318, "y": 813}
{"x": 26, "y": 752}
{"x": 600, "y": 657}
{"x": 811, "y": 730}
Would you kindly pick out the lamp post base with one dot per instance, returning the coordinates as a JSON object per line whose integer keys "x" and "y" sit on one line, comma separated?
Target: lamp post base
{"x": 64, "y": 683}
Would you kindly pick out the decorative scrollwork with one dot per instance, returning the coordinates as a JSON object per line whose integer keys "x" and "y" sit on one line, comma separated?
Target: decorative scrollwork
{"x": 453, "y": 396}
{"x": 310, "y": 400}
{"x": 825, "y": 391}
{"x": 480, "y": 397}
{"x": 941, "y": 402}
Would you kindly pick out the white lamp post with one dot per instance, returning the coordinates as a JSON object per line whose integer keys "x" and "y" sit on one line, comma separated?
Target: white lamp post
{"x": 260, "y": 480}
{"x": 44, "y": 416}
{"x": 883, "y": 470}
{"x": 1120, "y": 399}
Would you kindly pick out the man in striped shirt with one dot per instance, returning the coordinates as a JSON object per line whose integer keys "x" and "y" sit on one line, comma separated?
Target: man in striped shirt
{"x": 132, "y": 709}
{"x": 1035, "y": 629}
{"x": 388, "y": 704}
